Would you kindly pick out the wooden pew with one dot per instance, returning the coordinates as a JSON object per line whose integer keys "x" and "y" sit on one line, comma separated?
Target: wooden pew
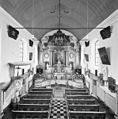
{"x": 35, "y": 101}
{"x": 86, "y": 115}
{"x": 40, "y": 92}
{"x": 42, "y": 89}
{"x": 79, "y": 101}
{"x": 33, "y": 107}
{"x": 30, "y": 114}
{"x": 77, "y": 93}
{"x": 45, "y": 96}
{"x": 92, "y": 107}
{"x": 77, "y": 90}
{"x": 80, "y": 97}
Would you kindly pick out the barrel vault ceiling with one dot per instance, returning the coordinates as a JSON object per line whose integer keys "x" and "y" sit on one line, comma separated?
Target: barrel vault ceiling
{"x": 75, "y": 15}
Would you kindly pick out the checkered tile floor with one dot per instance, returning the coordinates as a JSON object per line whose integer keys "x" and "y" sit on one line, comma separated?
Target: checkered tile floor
{"x": 58, "y": 109}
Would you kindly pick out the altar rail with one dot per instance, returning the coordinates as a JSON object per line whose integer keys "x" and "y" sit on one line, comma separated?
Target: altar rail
{"x": 46, "y": 83}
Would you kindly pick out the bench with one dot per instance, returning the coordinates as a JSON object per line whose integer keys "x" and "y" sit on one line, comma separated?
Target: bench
{"x": 80, "y": 97}
{"x": 35, "y": 101}
{"x": 77, "y": 93}
{"x": 77, "y": 90}
{"x": 30, "y": 114}
{"x": 38, "y": 96}
{"x": 40, "y": 92}
{"x": 84, "y": 101}
{"x": 42, "y": 89}
{"x": 86, "y": 115}
{"x": 92, "y": 107}
{"x": 33, "y": 107}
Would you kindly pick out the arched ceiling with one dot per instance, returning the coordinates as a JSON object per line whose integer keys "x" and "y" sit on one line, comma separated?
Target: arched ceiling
{"x": 43, "y": 15}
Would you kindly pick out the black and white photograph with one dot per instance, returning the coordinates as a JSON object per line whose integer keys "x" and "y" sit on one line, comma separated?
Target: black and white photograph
{"x": 58, "y": 59}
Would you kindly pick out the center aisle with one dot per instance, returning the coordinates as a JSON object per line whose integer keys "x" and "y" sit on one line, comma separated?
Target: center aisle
{"x": 59, "y": 105}
{"x": 58, "y": 109}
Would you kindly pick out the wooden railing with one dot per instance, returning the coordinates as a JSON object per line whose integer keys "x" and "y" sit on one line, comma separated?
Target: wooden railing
{"x": 102, "y": 91}
{"x": 17, "y": 87}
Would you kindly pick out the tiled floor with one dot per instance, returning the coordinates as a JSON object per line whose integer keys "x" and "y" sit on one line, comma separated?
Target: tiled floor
{"x": 59, "y": 92}
{"x": 58, "y": 109}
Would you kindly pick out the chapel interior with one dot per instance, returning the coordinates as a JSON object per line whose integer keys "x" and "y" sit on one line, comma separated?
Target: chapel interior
{"x": 58, "y": 59}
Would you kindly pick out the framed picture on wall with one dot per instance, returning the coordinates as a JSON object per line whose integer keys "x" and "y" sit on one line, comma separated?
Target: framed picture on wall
{"x": 86, "y": 57}
{"x": 104, "y": 56}
{"x": 12, "y": 32}
{"x": 30, "y": 43}
{"x": 30, "y": 56}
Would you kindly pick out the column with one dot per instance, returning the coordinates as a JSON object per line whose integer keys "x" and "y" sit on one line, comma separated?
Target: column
{"x": 67, "y": 58}
{"x": 50, "y": 58}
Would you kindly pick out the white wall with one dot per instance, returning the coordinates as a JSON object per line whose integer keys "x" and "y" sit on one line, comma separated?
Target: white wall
{"x": 111, "y": 43}
{"x": 10, "y": 48}
{"x": 103, "y": 92}
{"x": 0, "y": 51}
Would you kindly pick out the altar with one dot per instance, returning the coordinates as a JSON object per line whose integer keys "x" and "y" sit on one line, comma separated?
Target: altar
{"x": 59, "y": 76}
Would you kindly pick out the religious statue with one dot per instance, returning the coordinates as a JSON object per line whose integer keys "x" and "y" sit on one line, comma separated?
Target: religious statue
{"x": 59, "y": 65}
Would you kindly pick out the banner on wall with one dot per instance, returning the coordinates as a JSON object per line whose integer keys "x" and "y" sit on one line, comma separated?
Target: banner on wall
{"x": 12, "y": 32}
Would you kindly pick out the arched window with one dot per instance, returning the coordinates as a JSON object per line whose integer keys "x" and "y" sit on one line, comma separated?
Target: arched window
{"x": 97, "y": 58}
{"x": 23, "y": 50}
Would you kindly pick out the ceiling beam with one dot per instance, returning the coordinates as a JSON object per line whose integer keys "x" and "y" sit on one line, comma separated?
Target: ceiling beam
{"x": 64, "y": 28}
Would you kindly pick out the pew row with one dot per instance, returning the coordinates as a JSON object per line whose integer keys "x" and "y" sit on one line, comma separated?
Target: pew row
{"x": 80, "y": 97}
{"x": 35, "y": 101}
{"x": 40, "y": 92}
{"x": 92, "y": 107}
{"x": 77, "y": 93}
{"x": 84, "y": 101}
{"x": 30, "y": 114}
{"x": 33, "y": 107}
{"x": 42, "y": 89}
{"x": 86, "y": 115}
{"x": 77, "y": 90}
{"x": 38, "y": 96}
